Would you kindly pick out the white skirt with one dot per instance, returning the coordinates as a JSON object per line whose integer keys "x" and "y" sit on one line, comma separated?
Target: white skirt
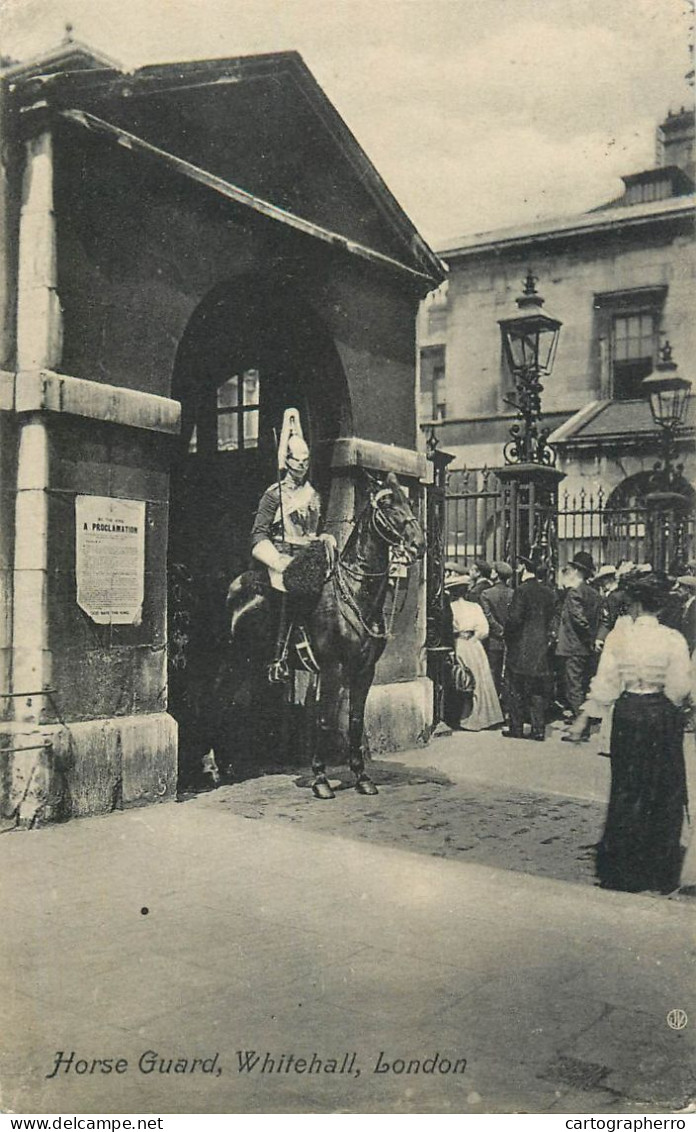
{"x": 486, "y": 711}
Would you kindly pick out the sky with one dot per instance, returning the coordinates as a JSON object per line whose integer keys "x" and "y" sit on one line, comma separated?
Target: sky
{"x": 479, "y": 114}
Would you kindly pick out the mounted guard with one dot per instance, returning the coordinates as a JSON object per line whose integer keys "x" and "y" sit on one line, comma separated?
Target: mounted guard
{"x": 337, "y": 601}
{"x": 290, "y": 558}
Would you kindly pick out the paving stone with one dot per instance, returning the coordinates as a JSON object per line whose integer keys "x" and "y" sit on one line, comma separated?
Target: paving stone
{"x": 446, "y": 914}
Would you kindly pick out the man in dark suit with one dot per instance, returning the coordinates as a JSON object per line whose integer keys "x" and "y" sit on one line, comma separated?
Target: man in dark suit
{"x": 577, "y": 630}
{"x": 495, "y": 603}
{"x": 672, "y": 612}
{"x": 527, "y": 633}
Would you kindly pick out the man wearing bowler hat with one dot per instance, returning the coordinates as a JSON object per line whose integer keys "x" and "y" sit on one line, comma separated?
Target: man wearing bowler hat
{"x": 577, "y": 630}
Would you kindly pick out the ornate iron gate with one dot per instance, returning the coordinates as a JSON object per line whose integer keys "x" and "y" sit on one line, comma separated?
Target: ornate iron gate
{"x": 476, "y": 525}
{"x": 474, "y": 516}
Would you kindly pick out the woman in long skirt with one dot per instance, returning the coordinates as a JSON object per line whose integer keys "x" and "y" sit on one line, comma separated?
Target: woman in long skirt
{"x": 644, "y": 673}
{"x": 470, "y": 629}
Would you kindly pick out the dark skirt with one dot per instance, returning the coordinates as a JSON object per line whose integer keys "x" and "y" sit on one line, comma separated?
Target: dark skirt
{"x": 640, "y": 847}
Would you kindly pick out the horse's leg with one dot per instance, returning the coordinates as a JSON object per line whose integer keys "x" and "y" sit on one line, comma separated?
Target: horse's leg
{"x": 360, "y": 685}
{"x": 320, "y": 783}
{"x": 248, "y": 708}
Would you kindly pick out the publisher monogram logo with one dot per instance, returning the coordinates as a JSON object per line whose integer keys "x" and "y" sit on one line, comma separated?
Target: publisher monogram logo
{"x": 677, "y": 1019}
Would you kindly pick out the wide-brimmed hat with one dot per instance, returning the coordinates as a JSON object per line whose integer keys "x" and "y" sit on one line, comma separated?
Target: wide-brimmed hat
{"x": 625, "y": 568}
{"x": 653, "y": 588}
{"x": 503, "y": 570}
{"x": 605, "y": 571}
{"x": 584, "y": 562}
{"x": 454, "y": 567}
{"x": 457, "y": 580}
{"x": 687, "y": 580}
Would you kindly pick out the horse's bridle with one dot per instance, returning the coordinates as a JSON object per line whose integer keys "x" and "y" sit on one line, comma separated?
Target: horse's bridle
{"x": 388, "y": 533}
{"x": 384, "y": 528}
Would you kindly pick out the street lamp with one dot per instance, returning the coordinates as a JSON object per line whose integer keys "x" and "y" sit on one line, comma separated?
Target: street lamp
{"x": 437, "y": 632}
{"x": 530, "y": 339}
{"x": 668, "y": 396}
{"x": 529, "y": 479}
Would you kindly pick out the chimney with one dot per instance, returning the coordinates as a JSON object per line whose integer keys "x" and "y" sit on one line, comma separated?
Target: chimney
{"x": 675, "y": 142}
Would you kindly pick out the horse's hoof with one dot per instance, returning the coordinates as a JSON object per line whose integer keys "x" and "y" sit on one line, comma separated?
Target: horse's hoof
{"x": 322, "y": 789}
{"x": 365, "y": 785}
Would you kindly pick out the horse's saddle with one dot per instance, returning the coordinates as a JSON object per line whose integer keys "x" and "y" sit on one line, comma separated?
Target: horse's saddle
{"x": 304, "y": 579}
{"x": 308, "y": 570}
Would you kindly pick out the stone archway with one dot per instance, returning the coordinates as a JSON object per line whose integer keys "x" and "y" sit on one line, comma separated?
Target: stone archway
{"x": 250, "y": 351}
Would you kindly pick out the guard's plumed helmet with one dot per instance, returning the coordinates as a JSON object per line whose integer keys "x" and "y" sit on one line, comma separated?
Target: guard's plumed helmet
{"x": 292, "y": 445}
{"x": 297, "y": 449}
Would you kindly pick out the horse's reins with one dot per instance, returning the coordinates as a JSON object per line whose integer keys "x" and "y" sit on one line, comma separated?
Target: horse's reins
{"x": 386, "y": 530}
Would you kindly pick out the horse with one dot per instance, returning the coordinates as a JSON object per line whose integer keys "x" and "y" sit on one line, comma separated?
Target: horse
{"x": 346, "y": 629}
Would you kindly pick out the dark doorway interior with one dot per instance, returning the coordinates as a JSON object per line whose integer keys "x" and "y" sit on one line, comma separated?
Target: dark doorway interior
{"x": 248, "y": 353}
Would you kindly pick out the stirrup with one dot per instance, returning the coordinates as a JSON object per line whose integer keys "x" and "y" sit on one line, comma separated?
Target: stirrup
{"x": 279, "y": 671}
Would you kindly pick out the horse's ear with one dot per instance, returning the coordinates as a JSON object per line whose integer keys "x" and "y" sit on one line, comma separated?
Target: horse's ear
{"x": 392, "y": 481}
{"x": 373, "y": 482}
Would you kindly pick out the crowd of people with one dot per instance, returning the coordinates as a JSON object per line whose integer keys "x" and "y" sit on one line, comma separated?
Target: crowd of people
{"x": 533, "y": 649}
{"x": 613, "y": 646}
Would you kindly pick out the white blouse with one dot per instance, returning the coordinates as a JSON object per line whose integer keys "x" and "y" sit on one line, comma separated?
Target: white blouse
{"x": 640, "y": 656}
{"x": 468, "y": 617}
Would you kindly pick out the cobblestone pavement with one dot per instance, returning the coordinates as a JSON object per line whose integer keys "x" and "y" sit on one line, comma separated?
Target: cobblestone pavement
{"x": 423, "y": 811}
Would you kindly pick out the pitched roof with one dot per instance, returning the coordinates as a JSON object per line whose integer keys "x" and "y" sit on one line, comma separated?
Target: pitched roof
{"x": 625, "y": 421}
{"x": 261, "y": 124}
{"x": 601, "y": 220}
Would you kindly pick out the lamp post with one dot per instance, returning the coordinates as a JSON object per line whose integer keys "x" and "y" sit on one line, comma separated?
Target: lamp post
{"x": 529, "y": 478}
{"x": 437, "y": 639}
{"x": 668, "y": 396}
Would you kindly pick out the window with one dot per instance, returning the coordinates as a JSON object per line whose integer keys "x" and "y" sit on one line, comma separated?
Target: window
{"x": 633, "y": 353}
{"x": 433, "y": 389}
{"x": 627, "y": 330}
{"x": 236, "y": 414}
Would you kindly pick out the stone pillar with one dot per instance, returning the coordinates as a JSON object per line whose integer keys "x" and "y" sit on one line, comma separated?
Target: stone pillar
{"x": 39, "y": 341}
{"x": 398, "y": 713}
{"x": 530, "y": 512}
{"x": 9, "y": 224}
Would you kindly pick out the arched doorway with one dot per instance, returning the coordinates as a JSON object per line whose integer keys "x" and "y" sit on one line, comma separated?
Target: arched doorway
{"x": 250, "y": 351}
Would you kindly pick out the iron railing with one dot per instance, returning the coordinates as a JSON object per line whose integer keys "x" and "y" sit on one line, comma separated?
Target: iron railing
{"x": 475, "y": 526}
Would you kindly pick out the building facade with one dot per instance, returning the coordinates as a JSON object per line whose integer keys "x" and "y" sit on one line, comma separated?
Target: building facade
{"x": 621, "y": 280}
{"x": 189, "y": 250}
